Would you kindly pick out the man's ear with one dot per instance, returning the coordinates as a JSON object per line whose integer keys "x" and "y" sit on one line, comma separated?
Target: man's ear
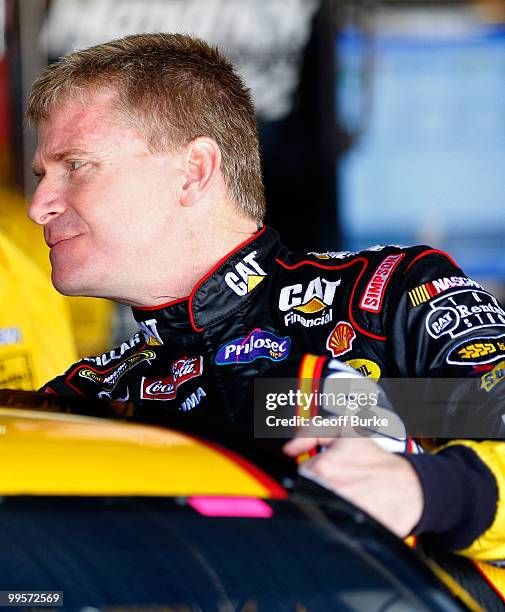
{"x": 202, "y": 166}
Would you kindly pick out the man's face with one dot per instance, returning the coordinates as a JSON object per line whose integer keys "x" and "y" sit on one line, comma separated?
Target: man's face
{"x": 108, "y": 205}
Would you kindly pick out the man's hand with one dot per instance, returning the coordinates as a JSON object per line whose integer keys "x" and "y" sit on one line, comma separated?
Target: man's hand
{"x": 381, "y": 483}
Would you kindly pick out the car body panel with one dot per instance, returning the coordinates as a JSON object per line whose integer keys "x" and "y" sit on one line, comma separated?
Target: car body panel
{"x": 122, "y": 515}
{"x": 52, "y": 454}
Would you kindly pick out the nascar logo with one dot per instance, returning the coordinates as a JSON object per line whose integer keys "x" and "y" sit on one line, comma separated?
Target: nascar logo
{"x": 426, "y": 291}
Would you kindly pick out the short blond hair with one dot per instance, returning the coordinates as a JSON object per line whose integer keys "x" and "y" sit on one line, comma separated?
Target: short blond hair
{"x": 171, "y": 88}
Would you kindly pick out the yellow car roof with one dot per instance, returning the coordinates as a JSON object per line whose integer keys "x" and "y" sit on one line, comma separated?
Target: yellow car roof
{"x": 59, "y": 454}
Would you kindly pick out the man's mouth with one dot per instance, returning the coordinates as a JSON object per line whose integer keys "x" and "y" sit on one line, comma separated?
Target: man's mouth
{"x": 52, "y": 242}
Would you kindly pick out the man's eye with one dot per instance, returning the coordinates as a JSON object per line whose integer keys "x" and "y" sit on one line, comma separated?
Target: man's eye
{"x": 75, "y": 164}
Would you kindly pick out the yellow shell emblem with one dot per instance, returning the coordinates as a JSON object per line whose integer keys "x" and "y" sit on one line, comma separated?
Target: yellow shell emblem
{"x": 341, "y": 338}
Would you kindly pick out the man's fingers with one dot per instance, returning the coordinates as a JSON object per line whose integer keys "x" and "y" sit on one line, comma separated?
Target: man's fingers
{"x": 358, "y": 446}
{"x": 383, "y": 484}
{"x": 297, "y": 446}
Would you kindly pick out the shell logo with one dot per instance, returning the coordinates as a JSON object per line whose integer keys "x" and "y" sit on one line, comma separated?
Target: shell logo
{"x": 341, "y": 338}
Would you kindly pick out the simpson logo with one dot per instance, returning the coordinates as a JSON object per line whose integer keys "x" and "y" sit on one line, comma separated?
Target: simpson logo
{"x": 427, "y": 291}
{"x": 165, "y": 388}
{"x": 478, "y": 351}
{"x": 248, "y": 275}
{"x": 341, "y": 338}
{"x": 461, "y": 311}
{"x": 256, "y": 345}
{"x": 371, "y": 300}
{"x": 313, "y": 299}
{"x": 109, "y": 379}
{"x": 366, "y": 367}
{"x": 492, "y": 378}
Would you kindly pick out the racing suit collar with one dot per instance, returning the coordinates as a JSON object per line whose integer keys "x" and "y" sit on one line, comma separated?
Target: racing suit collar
{"x": 225, "y": 289}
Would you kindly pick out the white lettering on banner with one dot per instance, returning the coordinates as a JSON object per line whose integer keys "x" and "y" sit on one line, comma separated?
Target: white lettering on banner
{"x": 314, "y": 298}
{"x": 371, "y": 300}
{"x": 105, "y": 358}
{"x": 450, "y": 315}
{"x": 248, "y": 274}
{"x": 150, "y": 331}
{"x": 427, "y": 291}
{"x": 293, "y": 317}
{"x": 193, "y": 400}
{"x": 446, "y": 317}
{"x": 264, "y": 38}
{"x": 256, "y": 343}
{"x": 442, "y": 284}
{"x": 318, "y": 290}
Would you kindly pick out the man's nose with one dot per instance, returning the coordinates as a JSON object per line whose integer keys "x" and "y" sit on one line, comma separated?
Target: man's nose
{"x": 47, "y": 203}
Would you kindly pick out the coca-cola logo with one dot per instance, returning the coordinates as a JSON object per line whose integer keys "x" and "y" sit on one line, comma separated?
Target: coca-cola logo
{"x": 165, "y": 388}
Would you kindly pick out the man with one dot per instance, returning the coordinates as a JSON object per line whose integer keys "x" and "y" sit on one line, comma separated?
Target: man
{"x": 150, "y": 194}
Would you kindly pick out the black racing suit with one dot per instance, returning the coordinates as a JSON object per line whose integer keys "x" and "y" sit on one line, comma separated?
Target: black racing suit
{"x": 387, "y": 311}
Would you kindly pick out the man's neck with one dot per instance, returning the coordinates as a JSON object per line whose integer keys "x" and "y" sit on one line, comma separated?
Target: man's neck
{"x": 201, "y": 257}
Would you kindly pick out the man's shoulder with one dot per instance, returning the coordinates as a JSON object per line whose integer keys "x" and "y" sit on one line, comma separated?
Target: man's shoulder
{"x": 374, "y": 251}
{"x": 370, "y": 281}
{"x": 98, "y": 375}
{"x": 379, "y": 257}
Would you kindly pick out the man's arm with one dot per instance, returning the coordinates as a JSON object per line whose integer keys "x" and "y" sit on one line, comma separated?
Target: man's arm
{"x": 454, "y": 329}
{"x": 455, "y": 492}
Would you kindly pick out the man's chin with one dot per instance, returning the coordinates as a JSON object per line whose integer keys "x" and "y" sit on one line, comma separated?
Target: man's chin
{"x": 66, "y": 289}
{"x": 66, "y": 285}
